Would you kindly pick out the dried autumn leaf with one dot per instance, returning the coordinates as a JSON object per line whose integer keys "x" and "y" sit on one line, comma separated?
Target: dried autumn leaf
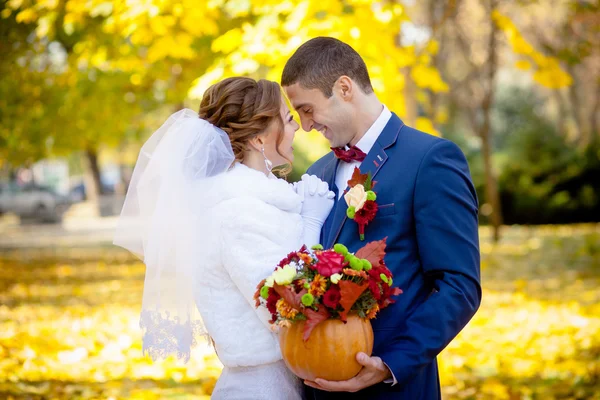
{"x": 350, "y": 292}
{"x": 313, "y": 318}
{"x": 357, "y": 178}
{"x": 373, "y": 251}
{"x": 290, "y": 297}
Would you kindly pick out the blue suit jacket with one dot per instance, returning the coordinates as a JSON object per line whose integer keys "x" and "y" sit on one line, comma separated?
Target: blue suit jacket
{"x": 428, "y": 212}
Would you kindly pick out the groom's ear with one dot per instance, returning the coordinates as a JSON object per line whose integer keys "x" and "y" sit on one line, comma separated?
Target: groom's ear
{"x": 345, "y": 87}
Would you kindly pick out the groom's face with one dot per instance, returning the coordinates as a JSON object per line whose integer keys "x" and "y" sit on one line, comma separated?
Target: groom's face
{"x": 329, "y": 115}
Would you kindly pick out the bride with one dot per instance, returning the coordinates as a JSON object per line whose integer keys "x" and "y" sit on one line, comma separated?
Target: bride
{"x": 210, "y": 221}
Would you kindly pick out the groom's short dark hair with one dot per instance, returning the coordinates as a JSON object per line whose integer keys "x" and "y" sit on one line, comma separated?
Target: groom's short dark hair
{"x": 319, "y": 63}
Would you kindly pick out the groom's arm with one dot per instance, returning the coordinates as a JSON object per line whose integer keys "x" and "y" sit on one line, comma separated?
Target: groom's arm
{"x": 445, "y": 208}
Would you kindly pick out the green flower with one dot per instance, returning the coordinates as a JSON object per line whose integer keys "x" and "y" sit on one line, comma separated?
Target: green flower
{"x": 371, "y": 195}
{"x": 317, "y": 247}
{"x": 350, "y": 212}
{"x": 340, "y": 249}
{"x": 366, "y": 265}
{"x": 356, "y": 264}
{"x": 306, "y": 285}
{"x": 264, "y": 292}
{"x": 384, "y": 278}
{"x": 284, "y": 276}
{"x": 308, "y": 299}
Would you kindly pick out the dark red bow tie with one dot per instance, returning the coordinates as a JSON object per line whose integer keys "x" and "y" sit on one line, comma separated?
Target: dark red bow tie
{"x": 353, "y": 153}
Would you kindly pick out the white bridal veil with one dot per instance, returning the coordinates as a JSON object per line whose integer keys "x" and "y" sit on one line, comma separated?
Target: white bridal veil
{"x": 160, "y": 225}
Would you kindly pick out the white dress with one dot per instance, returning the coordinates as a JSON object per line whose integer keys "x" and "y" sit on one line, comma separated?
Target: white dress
{"x": 255, "y": 224}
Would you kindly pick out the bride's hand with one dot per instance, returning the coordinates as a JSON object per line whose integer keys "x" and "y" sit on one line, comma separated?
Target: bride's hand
{"x": 317, "y": 199}
{"x": 316, "y": 205}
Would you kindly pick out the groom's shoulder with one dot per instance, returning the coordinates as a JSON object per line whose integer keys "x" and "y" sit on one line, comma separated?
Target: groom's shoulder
{"x": 319, "y": 166}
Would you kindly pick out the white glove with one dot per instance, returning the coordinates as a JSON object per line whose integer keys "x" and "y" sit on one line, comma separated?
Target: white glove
{"x": 317, "y": 202}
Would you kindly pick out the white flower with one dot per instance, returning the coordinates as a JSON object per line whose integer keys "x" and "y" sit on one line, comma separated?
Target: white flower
{"x": 285, "y": 275}
{"x": 356, "y": 197}
{"x": 335, "y": 278}
{"x": 269, "y": 281}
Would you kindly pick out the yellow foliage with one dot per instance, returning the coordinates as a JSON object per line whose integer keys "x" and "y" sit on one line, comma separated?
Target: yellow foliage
{"x": 547, "y": 72}
{"x": 27, "y": 16}
{"x": 161, "y": 25}
{"x": 425, "y": 125}
{"x": 433, "y": 47}
{"x": 176, "y": 46}
{"x": 553, "y": 78}
{"x": 523, "y": 65}
{"x": 228, "y": 42}
{"x": 429, "y": 78}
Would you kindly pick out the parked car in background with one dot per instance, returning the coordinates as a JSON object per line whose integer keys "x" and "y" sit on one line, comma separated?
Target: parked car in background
{"x": 31, "y": 201}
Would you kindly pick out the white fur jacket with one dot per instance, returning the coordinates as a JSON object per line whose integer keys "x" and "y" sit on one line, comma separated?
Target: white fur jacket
{"x": 255, "y": 224}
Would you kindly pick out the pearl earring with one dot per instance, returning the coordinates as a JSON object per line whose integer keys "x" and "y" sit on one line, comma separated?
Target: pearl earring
{"x": 268, "y": 163}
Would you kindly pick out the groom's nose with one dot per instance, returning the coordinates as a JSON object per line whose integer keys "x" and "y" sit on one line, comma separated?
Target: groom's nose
{"x": 307, "y": 124}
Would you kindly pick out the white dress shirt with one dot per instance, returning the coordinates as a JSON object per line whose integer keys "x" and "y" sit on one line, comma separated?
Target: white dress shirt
{"x": 345, "y": 169}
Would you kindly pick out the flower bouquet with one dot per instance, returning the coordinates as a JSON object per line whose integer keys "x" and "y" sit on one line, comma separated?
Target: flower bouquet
{"x": 322, "y": 301}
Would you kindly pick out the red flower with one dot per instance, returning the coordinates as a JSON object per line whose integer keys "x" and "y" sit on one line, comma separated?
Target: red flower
{"x": 329, "y": 263}
{"x": 382, "y": 292}
{"x": 272, "y": 301}
{"x": 375, "y": 282}
{"x": 377, "y": 270}
{"x": 293, "y": 256}
{"x": 332, "y": 297}
{"x": 374, "y": 288}
{"x": 366, "y": 213}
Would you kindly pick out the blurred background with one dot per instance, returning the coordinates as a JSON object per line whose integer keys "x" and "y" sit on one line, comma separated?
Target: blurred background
{"x": 83, "y": 83}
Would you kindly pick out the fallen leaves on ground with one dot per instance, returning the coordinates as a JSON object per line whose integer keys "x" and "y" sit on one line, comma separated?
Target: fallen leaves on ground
{"x": 69, "y": 325}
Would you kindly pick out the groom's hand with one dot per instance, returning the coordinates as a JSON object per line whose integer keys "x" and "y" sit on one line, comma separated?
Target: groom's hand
{"x": 373, "y": 372}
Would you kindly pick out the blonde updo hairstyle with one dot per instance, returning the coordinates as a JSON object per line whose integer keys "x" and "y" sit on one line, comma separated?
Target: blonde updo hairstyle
{"x": 244, "y": 108}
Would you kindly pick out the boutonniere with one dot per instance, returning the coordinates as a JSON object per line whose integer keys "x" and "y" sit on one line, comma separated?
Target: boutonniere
{"x": 361, "y": 200}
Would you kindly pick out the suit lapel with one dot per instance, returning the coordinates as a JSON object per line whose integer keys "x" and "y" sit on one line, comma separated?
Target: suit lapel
{"x": 372, "y": 163}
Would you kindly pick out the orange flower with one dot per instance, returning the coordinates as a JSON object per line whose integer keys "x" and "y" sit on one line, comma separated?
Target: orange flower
{"x": 318, "y": 286}
{"x": 285, "y": 310}
{"x": 306, "y": 258}
{"x": 351, "y": 272}
{"x": 372, "y": 313}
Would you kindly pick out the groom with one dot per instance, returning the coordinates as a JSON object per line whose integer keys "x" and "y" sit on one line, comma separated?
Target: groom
{"x": 427, "y": 211}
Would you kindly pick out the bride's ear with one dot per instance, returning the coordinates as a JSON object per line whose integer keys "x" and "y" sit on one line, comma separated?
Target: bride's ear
{"x": 257, "y": 143}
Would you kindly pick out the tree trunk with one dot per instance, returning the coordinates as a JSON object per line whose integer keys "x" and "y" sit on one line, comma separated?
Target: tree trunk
{"x": 94, "y": 189}
{"x": 491, "y": 183}
{"x": 576, "y": 110}
{"x": 562, "y": 114}
{"x": 491, "y": 186}
{"x": 594, "y": 123}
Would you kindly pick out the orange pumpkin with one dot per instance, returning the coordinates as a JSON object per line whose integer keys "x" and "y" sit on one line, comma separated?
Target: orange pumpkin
{"x": 330, "y": 351}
